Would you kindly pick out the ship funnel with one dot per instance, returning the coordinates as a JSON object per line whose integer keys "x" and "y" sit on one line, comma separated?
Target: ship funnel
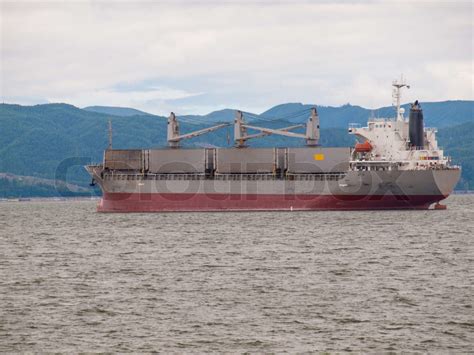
{"x": 415, "y": 125}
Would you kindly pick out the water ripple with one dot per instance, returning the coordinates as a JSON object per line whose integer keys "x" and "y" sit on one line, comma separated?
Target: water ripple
{"x": 73, "y": 280}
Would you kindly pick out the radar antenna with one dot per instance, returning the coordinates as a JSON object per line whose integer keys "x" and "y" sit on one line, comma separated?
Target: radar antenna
{"x": 396, "y": 94}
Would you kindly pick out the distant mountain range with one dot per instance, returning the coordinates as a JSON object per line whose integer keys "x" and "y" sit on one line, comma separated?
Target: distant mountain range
{"x": 437, "y": 114}
{"x": 116, "y": 111}
{"x": 54, "y": 141}
{"x": 29, "y": 186}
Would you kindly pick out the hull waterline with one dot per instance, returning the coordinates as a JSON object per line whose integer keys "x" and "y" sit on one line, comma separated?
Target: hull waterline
{"x": 136, "y": 202}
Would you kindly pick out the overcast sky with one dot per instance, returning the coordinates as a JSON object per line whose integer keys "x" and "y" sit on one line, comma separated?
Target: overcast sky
{"x": 199, "y": 56}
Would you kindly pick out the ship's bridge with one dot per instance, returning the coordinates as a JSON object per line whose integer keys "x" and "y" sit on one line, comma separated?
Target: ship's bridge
{"x": 387, "y": 137}
{"x": 398, "y": 140}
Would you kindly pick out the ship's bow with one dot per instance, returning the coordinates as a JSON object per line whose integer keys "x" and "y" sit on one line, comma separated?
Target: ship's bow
{"x": 446, "y": 180}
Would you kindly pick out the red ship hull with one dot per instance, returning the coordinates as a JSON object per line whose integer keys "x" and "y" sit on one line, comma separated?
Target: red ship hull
{"x": 158, "y": 202}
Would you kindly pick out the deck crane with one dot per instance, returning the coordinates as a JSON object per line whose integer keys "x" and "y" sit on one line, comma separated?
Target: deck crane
{"x": 311, "y": 136}
{"x": 173, "y": 131}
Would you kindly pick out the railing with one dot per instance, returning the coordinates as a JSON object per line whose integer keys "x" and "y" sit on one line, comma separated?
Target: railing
{"x": 316, "y": 177}
{"x": 113, "y": 175}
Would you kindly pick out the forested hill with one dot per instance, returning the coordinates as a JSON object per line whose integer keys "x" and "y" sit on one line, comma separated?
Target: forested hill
{"x": 54, "y": 140}
{"x": 437, "y": 114}
{"x": 116, "y": 111}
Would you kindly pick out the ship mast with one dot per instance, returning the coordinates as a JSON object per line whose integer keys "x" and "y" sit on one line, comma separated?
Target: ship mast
{"x": 396, "y": 94}
{"x": 110, "y": 134}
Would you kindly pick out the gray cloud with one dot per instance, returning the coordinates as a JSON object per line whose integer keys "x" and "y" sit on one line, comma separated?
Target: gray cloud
{"x": 198, "y": 56}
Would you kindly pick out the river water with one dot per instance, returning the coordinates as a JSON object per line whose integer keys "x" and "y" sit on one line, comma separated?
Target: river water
{"x": 75, "y": 280}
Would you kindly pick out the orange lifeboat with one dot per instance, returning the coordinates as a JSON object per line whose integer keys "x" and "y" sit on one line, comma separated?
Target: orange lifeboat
{"x": 363, "y": 147}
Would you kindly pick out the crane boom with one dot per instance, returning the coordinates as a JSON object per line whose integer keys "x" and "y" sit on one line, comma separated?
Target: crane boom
{"x": 263, "y": 134}
{"x": 198, "y": 133}
{"x": 281, "y": 131}
{"x": 173, "y": 131}
{"x": 311, "y": 136}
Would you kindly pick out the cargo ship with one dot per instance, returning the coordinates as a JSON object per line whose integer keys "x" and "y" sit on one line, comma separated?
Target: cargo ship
{"x": 395, "y": 164}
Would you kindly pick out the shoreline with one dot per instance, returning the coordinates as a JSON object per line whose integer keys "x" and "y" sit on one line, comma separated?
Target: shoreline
{"x": 55, "y": 199}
